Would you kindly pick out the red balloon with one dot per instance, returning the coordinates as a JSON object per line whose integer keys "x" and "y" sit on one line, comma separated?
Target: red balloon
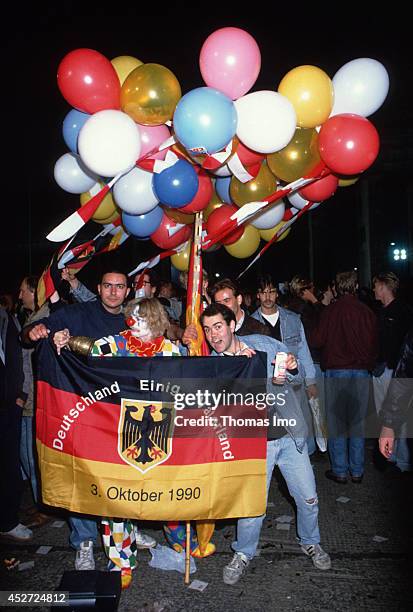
{"x": 348, "y": 144}
{"x": 88, "y": 81}
{"x": 321, "y": 189}
{"x": 217, "y": 219}
{"x": 247, "y": 156}
{"x": 164, "y": 240}
{"x": 202, "y": 196}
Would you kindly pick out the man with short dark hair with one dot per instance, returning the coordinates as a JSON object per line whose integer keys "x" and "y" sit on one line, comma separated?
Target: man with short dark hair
{"x": 286, "y": 446}
{"x": 227, "y": 292}
{"x": 95, "y": 319}
{"x": 395, "y": 319}
{"x": 286, "y": 326}
{"x": 347, "y": 336}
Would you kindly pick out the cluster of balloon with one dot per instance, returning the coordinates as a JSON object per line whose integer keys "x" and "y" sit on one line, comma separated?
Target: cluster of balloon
{"x": 231, "y": 147}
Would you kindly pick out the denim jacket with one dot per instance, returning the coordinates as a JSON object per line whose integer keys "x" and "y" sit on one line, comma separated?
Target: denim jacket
{"x": 293, "y": 336}
{"x": 291, "y": 388}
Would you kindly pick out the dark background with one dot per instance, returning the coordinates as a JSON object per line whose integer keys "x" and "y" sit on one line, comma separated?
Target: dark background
{"x": 288, "y": 36}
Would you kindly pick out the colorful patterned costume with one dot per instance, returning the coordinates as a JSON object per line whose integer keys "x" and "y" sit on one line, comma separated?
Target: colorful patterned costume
{"x": 126, "y": 344}
{"x": 119, "y": 538}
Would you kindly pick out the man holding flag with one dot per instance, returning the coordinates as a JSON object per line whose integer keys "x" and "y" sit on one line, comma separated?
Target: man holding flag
{"x": 286, "y": 446}
{"x": 95, "y": 319}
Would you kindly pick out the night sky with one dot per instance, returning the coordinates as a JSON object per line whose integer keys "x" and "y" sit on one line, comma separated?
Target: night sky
{"x": 33, "y": 112}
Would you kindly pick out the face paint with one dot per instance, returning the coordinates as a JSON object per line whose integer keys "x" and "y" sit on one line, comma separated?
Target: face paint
{"x": 139, "y": 325}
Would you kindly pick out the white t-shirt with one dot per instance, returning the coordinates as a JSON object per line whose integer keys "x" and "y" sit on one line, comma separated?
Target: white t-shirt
{"x": 272, "y": 318}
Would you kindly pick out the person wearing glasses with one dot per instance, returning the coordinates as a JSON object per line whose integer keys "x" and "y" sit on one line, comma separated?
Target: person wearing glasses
{"x": 95, "y": 319}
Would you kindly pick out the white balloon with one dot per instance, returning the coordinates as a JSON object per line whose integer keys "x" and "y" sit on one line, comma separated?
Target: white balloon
{"x": 298, "y": 202}
{"x": 109, "y": 142}
{"x": 71, "y": 174}
{"x": 271, "y": 217}
{"x": 133, "y": 192}
{"x": 360, "y": 87}
{"x": 266, "y": 121}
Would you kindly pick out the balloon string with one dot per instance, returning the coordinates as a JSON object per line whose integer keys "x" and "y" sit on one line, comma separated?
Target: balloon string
{"x": 277, "y": 235}
{"x": 319, "y": 171}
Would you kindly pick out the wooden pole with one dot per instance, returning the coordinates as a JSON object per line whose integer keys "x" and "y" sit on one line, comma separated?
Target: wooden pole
{"x": 188, "y": 552}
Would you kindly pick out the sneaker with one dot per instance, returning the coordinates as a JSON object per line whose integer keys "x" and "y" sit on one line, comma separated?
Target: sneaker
{"x": 143, "y": 540}
{"x": 233, "y": 571}
{"x": 321, "y": 560}
{"x": 84, "y": 556}
{"x": 20, "y": 533}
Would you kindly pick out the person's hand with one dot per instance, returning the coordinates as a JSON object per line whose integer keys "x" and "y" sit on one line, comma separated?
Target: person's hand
{"x": 38, "y": 332}
{"x": 20, "y": 402}
{"x": 61, "y": 339}
{"x": 290, "y": 364}
{"x": 70, "y": 277}
{"x": 312, "y": 392}
{"x": 247, "y": 352}
{"x": 309, "y": 296}
{"x": 386, "y": 441}
{"x": 55, "y": 297}
{"x": 190, "y": 335}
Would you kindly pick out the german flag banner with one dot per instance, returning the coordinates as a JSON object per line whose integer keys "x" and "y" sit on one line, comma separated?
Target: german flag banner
{"x": 152, "y": 438}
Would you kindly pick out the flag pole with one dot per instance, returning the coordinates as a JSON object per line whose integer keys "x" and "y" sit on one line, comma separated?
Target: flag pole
{"x": 188, "y": 552}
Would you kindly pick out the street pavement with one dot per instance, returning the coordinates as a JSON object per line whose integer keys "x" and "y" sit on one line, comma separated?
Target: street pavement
{"x": 367, "y": 529}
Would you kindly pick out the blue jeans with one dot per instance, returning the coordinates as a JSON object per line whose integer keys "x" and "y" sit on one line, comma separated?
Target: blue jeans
{"x": 347, "y": 396}
{"x": 298, "y": 474}
{"x": 27, "y": 455}
{"x": 82, "y": 529}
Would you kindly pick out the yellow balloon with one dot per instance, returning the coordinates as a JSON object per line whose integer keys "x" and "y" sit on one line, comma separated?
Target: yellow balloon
{"x": 255, "y": 190}
{"x": 178, "y": 216}
{"x": 124, "y": 64}
{"x": 181, "y": 260}
{"x": 105, "y": 209}
{"x": 214, "y": 203}
{"x": 346, "y": 182}
{"x": 310, "y": 91}
{"x": 113, "y": 217}
{"x": 150, "y": 94}
{"x": 246, "y": 245}
{"x": 297, "y": 158}
{"x": 270, "y": 233}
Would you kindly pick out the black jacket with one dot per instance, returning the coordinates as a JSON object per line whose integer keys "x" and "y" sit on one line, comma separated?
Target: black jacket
{"x": 394, "y": 322}
{"x": 11, "y": 370}
{"x": 252, "y": 326}
{"x": 398, "y": 404}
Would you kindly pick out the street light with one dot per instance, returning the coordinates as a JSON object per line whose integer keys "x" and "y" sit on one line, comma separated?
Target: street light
{"x": 399, "y": 254}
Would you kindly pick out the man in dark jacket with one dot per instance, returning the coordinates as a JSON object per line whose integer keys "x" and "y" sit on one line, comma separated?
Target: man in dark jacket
{"x": 395, "y": 319}
{"x": 347, "y": 335}
{"x": 12, "y": 399}
{"x": 397, "y": 407}
{"x": 95, "y": 319}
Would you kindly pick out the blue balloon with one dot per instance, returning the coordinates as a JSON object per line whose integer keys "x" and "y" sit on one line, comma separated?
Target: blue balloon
{"x": 205, "y": 120}
{"x": 142, "y": 226}
{"x": 222, "y": 188}
{"x": 177, "y": 185}
{"x": 72, "y": 124}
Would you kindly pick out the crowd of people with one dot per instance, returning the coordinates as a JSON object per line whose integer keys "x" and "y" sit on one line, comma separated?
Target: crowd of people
{"x": 346, "y": 350}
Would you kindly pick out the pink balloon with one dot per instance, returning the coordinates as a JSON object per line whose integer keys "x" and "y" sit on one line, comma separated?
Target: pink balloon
{"x": 152, "y": 136}
{"x": 230, "y": 61}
